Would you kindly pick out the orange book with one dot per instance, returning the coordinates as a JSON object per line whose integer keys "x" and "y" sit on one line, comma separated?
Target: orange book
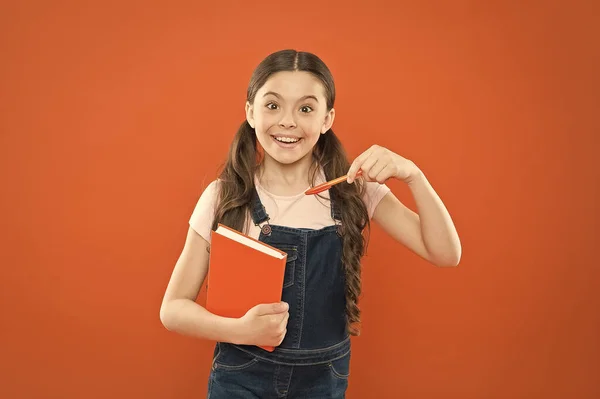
{"x": 243, "y": 272}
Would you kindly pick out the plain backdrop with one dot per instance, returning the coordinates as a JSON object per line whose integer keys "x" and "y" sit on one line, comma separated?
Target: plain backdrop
{"x": 114, "y": 116}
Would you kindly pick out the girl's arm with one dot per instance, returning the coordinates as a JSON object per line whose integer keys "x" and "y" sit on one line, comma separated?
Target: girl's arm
{"x": 179, "y": 311}
{"x": 264, "y": 324}
{"x": 430, "y": 233}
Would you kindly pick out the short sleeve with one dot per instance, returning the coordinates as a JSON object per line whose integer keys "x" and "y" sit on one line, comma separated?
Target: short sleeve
{"x": 374, "y": 193}
{"x": 204, "y": 212}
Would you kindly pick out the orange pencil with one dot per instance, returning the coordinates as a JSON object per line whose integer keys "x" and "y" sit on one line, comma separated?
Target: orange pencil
{"x": 325, "y": 186}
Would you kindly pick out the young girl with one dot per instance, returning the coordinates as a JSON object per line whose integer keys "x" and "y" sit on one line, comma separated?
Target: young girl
{"x": 285, "y": 146}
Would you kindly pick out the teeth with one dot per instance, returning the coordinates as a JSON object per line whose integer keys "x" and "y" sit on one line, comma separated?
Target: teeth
{"x": 286, "y": 139}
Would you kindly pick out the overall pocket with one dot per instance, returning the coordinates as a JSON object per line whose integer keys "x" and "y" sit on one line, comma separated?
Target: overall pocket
{"x": 290, "y": 266}
{"x": 229, "y": 358}
{"x": 340, "y": 368}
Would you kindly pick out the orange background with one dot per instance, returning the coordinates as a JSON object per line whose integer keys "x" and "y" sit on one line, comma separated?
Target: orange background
{"x": 114, "y": 118}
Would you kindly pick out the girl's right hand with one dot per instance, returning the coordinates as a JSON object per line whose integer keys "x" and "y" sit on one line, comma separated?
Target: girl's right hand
{"x": 264, "y": 324}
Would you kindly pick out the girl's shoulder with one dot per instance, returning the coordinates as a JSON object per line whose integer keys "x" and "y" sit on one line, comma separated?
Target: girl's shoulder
{"x": 203, "y": 214}
{"x": 209, "y": 195}
{"x": 373, "y": 194}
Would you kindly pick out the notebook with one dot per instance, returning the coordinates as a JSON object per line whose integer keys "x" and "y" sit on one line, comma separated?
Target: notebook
{"x": 243, "y": 272}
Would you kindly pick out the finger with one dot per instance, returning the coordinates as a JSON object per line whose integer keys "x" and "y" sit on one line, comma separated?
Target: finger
{"x": 280, "y": 307}
{"x": 284, "y": 320}
{"x": 384, "y": 174}
{"x": 282, "y": 327}
{"x": 371, "y": 167}
{"x": 357, "y": 164}
{"x": 271, "y": 308}
{"x": 281, "y": 337}
{"x": 376, "y": 169}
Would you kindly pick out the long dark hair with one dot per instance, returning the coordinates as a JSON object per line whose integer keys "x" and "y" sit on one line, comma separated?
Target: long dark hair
{"x": 236, "y": 185}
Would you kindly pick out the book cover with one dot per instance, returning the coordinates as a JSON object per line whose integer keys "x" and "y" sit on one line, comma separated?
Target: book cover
{"x": 243, "y": 272}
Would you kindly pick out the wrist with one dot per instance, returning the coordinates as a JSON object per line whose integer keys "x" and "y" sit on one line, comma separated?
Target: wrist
{"x": 235, "y": 331}
{"x": 411, "y": 174}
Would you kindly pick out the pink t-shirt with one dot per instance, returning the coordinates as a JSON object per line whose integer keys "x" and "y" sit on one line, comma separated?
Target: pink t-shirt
{"x": 298, "y": 211}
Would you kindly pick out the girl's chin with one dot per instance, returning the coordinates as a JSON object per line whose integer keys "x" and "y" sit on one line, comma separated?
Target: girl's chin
{"x": 284, "y": 157}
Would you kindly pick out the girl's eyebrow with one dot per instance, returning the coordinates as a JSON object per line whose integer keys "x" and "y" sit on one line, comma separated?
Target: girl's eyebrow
{"x": 302, "y": 99}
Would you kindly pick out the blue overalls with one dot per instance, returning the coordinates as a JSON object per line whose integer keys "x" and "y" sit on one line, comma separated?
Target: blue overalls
{"x": 313, "y": 361}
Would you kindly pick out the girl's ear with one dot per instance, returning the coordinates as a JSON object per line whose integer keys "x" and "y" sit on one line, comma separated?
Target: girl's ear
{"x": 328, "y": 122}
{"x": 250, "y": 114}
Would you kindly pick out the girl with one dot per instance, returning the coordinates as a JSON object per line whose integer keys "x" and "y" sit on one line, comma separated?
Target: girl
{"x": 284, "y": 146}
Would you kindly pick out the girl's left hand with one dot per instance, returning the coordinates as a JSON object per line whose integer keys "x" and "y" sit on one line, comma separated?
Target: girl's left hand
{"x": 379, "y": 164}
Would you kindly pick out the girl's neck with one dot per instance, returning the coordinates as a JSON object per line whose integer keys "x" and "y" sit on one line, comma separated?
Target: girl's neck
{"x": 285, "y": 180}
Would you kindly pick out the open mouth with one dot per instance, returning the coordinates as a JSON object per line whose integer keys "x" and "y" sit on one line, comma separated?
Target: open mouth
{"x": 287, "y": 141}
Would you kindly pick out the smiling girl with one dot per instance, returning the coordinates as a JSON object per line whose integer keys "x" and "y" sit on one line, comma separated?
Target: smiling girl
{"x": 285, "y": 146}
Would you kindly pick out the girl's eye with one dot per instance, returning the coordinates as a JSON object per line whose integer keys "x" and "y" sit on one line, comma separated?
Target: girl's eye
{"x": 306, "y": 109}
{"x": 271, "y": 106}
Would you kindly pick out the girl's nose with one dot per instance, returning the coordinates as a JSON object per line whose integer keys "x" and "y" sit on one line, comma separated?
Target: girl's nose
{"x": 287, "y": 121}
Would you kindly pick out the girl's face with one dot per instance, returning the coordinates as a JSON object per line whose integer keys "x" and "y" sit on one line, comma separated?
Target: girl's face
{"x": 289, "y": 114}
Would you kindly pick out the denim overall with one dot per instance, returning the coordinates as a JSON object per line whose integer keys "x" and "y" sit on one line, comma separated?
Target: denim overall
{"x": 313, "y": 361}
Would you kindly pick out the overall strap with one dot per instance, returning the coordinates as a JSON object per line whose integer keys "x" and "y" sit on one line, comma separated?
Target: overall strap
{"x": 335, "y": 210}
{"x": 259, "y": 214}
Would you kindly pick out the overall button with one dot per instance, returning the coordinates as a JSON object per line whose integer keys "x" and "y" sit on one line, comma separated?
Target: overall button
{"x": 266, "y": 229}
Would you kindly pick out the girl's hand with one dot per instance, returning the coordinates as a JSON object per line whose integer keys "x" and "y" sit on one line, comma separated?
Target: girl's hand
{"x": 264, "y": 325}
{"x": 379, "y": 164}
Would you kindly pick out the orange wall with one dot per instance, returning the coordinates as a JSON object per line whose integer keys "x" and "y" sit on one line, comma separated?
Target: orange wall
{"x": 113, "y": 119}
